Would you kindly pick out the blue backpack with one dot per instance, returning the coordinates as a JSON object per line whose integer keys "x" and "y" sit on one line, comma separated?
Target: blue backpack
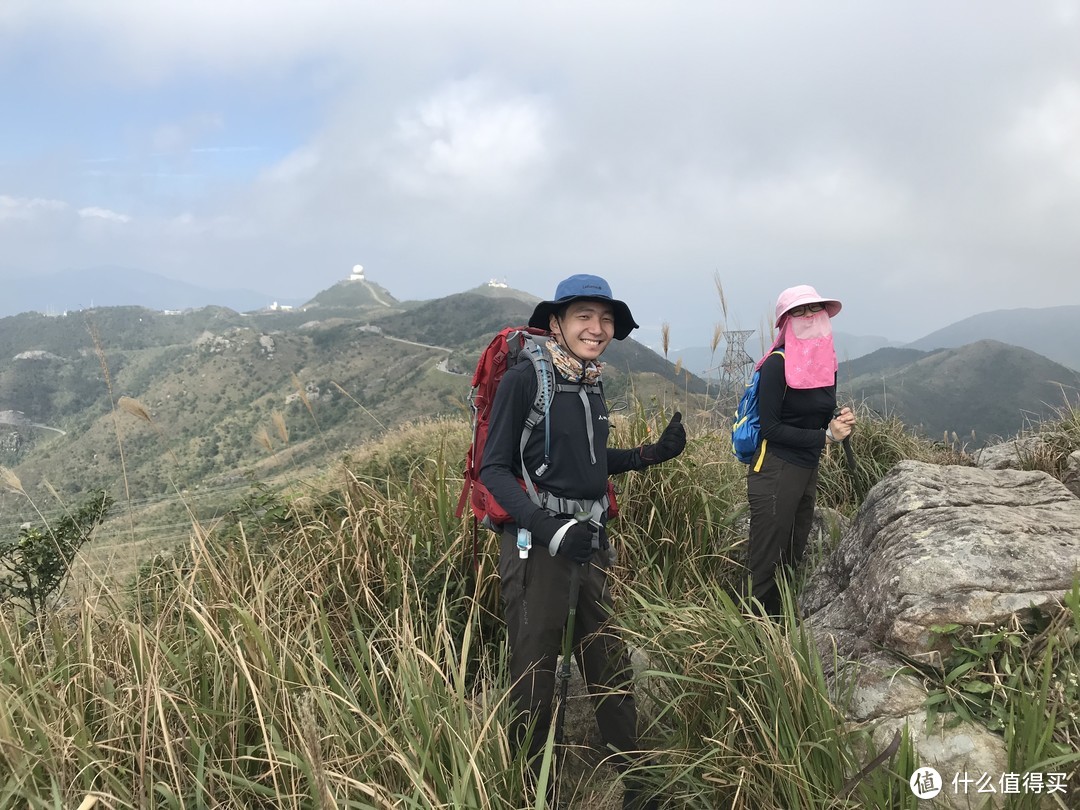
{"x": 746, "y": 429}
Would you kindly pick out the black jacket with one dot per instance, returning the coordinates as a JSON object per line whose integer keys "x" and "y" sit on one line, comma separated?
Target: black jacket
{"x": 793, "y": 420}
{"x": 571, "y": 471}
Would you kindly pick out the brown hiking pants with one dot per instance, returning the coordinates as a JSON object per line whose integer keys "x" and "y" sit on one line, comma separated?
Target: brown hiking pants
{"x": 536, "y": 600}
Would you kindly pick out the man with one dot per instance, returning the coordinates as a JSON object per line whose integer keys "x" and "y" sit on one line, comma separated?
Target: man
{"x": 568, "y": 461}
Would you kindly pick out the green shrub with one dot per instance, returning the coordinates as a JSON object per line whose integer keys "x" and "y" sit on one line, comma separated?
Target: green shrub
{"x": 35, "y": 564}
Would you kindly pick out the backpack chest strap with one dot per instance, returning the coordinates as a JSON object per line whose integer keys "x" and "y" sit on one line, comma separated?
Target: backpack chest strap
{"x": 572, "y": 506}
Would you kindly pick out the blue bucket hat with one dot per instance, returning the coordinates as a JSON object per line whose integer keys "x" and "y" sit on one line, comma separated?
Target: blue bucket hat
{"x": 584, "y": 287}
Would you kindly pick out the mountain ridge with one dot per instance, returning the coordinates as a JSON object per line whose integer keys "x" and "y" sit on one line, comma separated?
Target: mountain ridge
{"x": 1053, "y": 332}
{"x": 178, "y": 409}
{"x": 980, "y": 392}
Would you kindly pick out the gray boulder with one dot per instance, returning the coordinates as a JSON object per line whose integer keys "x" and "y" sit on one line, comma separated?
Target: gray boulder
{"x": 935, "y": 545}
{"x": 1071, "y": 476}
{"x": 1011, "y": 455}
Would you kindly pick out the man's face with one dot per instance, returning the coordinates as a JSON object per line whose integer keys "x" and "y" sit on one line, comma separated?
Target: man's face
{"x": 586, "y": 329}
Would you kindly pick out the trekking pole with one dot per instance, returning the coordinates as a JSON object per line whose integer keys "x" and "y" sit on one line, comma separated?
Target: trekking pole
{"x": 568, "y": 651}
{"x": 849, "y": 456}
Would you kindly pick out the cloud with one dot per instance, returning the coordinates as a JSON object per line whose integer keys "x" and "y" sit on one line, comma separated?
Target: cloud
{"x": 1049, "y": 131}
{"x": 469, "y": 136}
{"x": 838, "y": 200}
{"x": 16, "y": 208}
{"x": 899, "y": 154}
{"x": 179, "y": 137}
{"x": 1067, "y": 11}
{"x": 295, "y": 166}
{"x": 92, "y": 212}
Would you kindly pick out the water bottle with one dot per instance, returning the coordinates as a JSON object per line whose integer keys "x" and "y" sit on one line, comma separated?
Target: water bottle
{"x": 524, "y": 543}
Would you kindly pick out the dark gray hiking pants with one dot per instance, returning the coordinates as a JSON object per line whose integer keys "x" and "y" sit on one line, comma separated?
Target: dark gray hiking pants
{"x": 536, "y": 601}
{"x": 781, "y": 497}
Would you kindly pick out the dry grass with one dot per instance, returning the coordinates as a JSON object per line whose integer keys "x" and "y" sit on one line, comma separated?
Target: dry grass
{"x": 336, "y": 647}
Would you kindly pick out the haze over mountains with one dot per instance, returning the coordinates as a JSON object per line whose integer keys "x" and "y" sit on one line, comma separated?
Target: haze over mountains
{"x": 181, "y": 410}
{"x": 68, "y": 290}
{"x": 1053, "y": 332}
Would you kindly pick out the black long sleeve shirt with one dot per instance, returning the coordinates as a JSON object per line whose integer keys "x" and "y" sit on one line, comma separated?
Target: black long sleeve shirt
{"x": 793, "y": 420}
{"x": 571, "y": 472}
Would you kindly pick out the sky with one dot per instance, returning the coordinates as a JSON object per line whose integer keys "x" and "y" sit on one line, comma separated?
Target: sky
{"x": 919, "y": 161}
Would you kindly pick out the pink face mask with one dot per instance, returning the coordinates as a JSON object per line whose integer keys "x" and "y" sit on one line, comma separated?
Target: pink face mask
{"x": 813, "y": 325}
{"x": 809, "y": 355}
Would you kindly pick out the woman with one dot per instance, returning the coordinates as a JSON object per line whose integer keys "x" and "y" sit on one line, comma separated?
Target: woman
{"x": 796, "y": 405}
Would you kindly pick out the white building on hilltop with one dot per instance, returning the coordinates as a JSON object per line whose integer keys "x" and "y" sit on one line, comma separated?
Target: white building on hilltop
{"x": 357, "y": 273}
{"x": 496, "y": 283}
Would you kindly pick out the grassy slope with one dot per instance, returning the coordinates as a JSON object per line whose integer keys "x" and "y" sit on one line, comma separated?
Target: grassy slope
{"x": 337, "y": 648}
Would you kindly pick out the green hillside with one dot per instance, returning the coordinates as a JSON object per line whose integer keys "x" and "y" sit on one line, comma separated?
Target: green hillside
{"x": 981, "y": 392}
{"x": 146, "y": 405}
{"x": 353, "y": 294}
{"x": 1053, "y": 332}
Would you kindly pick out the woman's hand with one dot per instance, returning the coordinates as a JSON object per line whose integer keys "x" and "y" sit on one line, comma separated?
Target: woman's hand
{"x": 842, "y": 424}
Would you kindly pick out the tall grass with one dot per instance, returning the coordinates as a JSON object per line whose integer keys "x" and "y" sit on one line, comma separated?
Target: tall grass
{"x": 742, "y": 711}
{"x": 321, "y": 669}
{"x": 877, "y": 444}
{"x": 342, "y": 647}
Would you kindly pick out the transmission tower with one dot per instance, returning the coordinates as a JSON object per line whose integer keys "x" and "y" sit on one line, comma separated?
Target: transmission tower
{"x": 734, "y": 372}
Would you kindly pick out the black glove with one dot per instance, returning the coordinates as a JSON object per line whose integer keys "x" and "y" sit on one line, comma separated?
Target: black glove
{"x": 543, "y": 526}
{"x": 672, "y": 442}
{"x": 576, "y": 544}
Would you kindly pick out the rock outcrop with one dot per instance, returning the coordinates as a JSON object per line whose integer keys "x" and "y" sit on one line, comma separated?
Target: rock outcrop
{"x": 935, "y": 545}
{"x": 1011, "y": 455}
{"x": 1071, "y": 476}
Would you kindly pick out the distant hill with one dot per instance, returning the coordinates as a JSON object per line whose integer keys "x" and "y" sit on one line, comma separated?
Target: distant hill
{"x": 879, "y": 362}
{"x": 463, "y": 320}
{"x": 1053, "y": 332}
{"x": 352, "y": 295}
{"x": 980, "y": 391}
{"x": 69, "y": 290}
{"x": 850, "y": 347}
{"x": 239, "y": 394}
{"x": 501, "y": 291}
{"x": 234, "y": 395}
{"x": 466, "y": 322}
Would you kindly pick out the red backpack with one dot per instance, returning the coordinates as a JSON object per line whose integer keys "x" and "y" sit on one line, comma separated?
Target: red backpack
{"x": 504, "y": 351}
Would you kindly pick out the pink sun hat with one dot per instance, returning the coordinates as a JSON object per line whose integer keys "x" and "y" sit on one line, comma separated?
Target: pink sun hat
{"x": 800, "y": 295}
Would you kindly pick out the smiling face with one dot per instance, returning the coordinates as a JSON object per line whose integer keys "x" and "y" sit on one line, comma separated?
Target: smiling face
{"x": 585, "y": 328}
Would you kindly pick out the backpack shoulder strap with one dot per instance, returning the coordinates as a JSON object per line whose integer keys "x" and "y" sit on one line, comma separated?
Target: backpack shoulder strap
{"x": 534, "y": 347}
